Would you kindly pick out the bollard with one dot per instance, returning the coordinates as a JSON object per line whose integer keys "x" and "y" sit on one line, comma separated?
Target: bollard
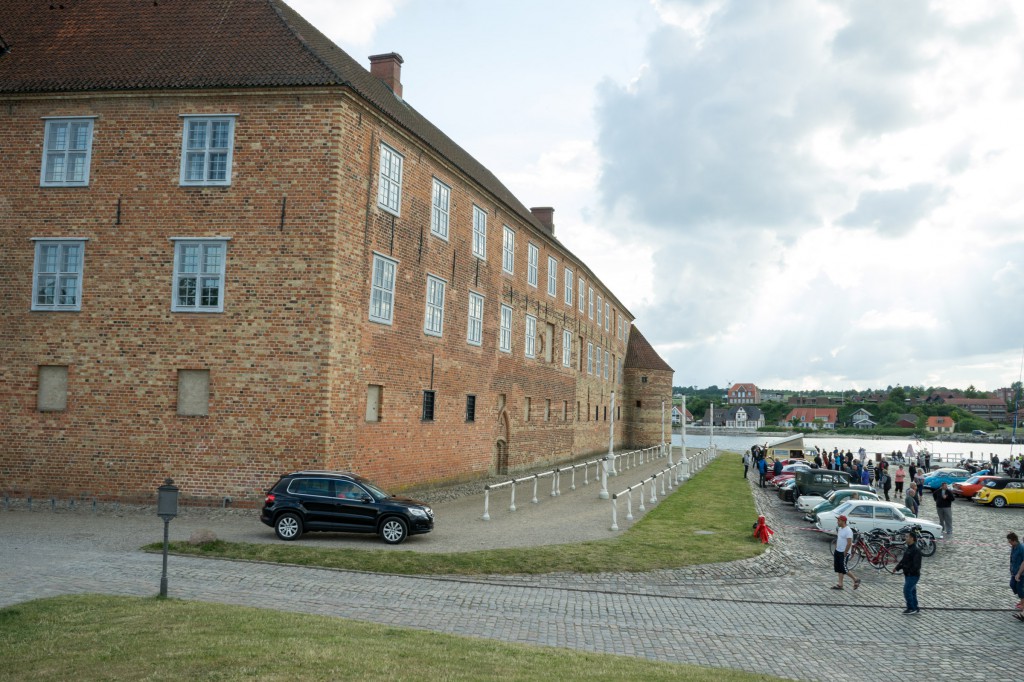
{"x": 556, "y": 483}
{"x": 535, "y": 480}
{"x": 487, "y": 499}
{"x": 629, "y": 504}
{"x": 615, "y": 521}
{"x": 654, "y": 490}
{"x": 512, "y": 505}
{"x": 573, "y": 486}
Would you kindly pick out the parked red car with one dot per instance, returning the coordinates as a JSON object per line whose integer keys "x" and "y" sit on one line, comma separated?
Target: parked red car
{"x": 971, "y": 486}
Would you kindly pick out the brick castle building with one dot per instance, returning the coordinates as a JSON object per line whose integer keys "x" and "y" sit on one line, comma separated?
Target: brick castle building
{"x": 230, "y": 251}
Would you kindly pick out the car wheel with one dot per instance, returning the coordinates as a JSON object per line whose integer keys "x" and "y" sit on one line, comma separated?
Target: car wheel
{"x": 288, "y": 526}
{"x": 999, "y": 502}
{"x": 927, "y": 542}
{"x": 393, "y": 530}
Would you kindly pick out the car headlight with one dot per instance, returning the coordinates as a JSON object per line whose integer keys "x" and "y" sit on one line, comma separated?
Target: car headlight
{"x": 421, "y": 512}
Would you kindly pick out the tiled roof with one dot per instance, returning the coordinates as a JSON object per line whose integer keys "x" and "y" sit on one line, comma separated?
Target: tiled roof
{"x": 104, "y": 45}
{"x": 641, "y": 355}
{"x": 809, "y": 414}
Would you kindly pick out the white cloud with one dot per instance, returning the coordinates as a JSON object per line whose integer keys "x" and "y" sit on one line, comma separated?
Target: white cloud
{"x": 840, "y": 177}
{"x": 352, "y": 22}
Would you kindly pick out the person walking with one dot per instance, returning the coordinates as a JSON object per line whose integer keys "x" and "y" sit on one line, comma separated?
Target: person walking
{"x": 911, "y": 499}
{"x": 899, "y": 477}
{"x": 886, "y": 483}
{"x": 844, "y": 545}
{"x": 1017, "y": 572}
{"x": 910, "y": 564}
{"x": 762, "y": 469}
{"x": 919, "y": 483}
{"x": 944, "y": 507}
{"x": 746, "y": 462}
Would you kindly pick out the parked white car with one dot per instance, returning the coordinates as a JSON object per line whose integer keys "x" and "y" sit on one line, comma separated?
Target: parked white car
{"x": 868, "y": 515}
{"x": 806, "y": 503}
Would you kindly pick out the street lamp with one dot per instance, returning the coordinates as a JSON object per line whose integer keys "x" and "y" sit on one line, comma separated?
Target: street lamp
{"x": 166, "y": 509}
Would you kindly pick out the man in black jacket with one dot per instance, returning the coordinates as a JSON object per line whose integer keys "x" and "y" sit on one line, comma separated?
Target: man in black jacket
{"x": 944, "y": 507}
{"x": 910, "y": 564}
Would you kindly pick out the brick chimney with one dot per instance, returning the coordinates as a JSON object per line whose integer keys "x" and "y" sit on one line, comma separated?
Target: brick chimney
{"x": 546, "y": 216}
{"x": 388, "y": 68}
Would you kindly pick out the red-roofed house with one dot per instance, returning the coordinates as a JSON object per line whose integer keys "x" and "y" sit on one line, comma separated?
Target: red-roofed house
{"x": 941, "y": 424}
{"x": 812, "y": 417}
{"x": 744, "y": 394}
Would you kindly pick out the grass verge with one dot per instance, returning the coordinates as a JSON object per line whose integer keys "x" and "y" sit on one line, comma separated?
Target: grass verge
{"x": 664, "y": 538}
{"x": 92, "y": 637}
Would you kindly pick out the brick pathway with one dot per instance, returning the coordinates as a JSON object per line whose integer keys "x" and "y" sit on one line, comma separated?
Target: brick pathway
{"x": 774, "y": 614}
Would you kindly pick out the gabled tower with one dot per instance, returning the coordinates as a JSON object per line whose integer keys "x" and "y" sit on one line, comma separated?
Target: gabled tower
{"x": 646, "y": 382}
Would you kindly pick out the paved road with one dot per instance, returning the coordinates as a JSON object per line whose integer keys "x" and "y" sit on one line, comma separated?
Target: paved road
{"x": 774, "y": 614}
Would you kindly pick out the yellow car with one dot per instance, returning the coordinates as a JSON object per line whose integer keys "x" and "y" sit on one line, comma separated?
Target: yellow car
{"x": 1000, "y": 492}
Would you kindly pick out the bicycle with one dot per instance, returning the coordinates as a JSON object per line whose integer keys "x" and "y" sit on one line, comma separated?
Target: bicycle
{"x": 876, "y": 548}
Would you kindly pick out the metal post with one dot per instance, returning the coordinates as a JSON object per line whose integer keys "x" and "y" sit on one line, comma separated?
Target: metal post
{"x": 163, "y": 575}
{"x": 611, "y": 434}
{"x": 615, "y": 521}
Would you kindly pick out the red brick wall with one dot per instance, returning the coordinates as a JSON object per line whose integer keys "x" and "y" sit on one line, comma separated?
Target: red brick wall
{"x": 292, "y": 354}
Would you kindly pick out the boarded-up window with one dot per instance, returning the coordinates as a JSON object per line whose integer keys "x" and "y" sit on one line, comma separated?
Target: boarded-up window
{"x": 53, "y": 388}
{"x": 193, "y": 392}
{"x": 374, "y": 396}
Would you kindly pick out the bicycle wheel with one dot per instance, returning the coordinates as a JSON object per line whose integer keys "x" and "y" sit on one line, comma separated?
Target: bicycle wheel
{"x": 890, "y": 557}
{"x": 853, "y": 561}
{"x": 926, "y": 543}
{"x": 832, "y": 546}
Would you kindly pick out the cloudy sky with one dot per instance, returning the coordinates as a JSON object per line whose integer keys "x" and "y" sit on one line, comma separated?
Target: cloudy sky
{"x": 796, "y": 193}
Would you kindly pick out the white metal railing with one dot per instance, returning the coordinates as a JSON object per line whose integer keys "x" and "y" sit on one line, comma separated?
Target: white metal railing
{"x": 618, "y": 462}
{"x": 674, "y": 474}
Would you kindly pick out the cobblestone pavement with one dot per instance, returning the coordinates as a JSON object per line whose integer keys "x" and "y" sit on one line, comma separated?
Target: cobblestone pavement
{"x": 774, "y": 614}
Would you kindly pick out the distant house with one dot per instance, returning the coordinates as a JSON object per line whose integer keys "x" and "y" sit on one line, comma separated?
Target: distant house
{"x": 941, "y": 424}
{"x": 743, "y": 394}
{"x": 772, "y": 396}
{"x": 744, "y": 417}
{"x": 992, "y": 409}
{"x": 677, "y": 416}
{"x": 907, "y": 421}
{"x": 861, "y": 419}
{"x": 719, "y": 417}
{"x": 814, "y": 418}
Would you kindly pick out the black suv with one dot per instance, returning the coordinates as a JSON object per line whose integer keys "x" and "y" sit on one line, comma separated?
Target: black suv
{"x": 335, "y": 501}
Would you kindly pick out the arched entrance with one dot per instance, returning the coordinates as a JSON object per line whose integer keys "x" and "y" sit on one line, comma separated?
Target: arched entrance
{"x": 501, "y": 457}
{"x": 501, "y": 443}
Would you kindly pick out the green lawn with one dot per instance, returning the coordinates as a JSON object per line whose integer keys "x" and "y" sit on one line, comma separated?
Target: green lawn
{"x": 713, "y": 500}
{"x": 120, "y": 638}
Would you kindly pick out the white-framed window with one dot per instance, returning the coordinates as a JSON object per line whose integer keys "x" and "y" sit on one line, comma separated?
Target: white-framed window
{"x": 57, "y": 274}
{"x": 531, "y": 336}
{"x": 590, "y": 302}
{"x": 590, "y": 357}
{"x": 566, "y": 348}
{"x": 441, "y": 202}
{"x": 479, "y": 233}
{"x": 568, "y": 287}
{"x": 433, "y": 317}
{"x": 508, "y": 250}
{"x": 618, "y": 328}
{"x": 206, "y": 148}
{"x": 600, "y": 316}
{"x": 597, "y": 361}
{"x": 581, "y": 285}
{"x": 475, "y": 326}
{"x": 607, "y": 316}
{"x": 382, "y": 289}
{"x": 389, "y": 188}
{"x": 199, "y": 275}
{"x": 67, "y": 152}
{"x": 607, "y": 362}
{"x": 552, "y": 276}
{"x": 505, "y": 331}
{"x": 532, "y": 264}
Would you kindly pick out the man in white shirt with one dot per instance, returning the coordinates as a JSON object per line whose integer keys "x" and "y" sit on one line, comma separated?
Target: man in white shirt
{"x": 844, "y": 545}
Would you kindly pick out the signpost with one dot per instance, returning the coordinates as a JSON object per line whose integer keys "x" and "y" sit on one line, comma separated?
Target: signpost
{"x": 166, "y": 509}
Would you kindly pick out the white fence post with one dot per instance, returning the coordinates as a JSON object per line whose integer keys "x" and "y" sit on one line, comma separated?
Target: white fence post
{"x": 487, "y": 498}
